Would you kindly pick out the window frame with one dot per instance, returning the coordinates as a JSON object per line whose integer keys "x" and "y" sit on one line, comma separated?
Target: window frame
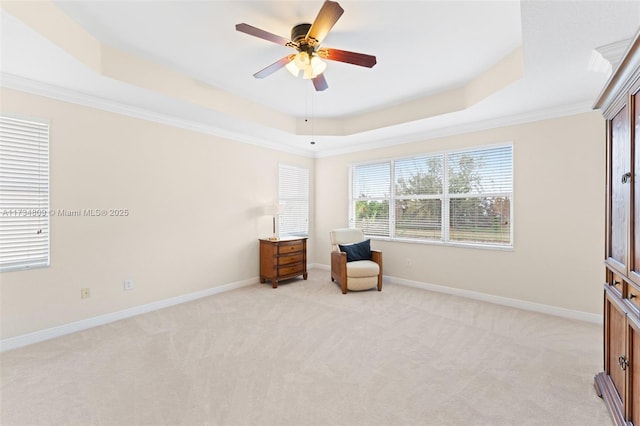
{"x": 445, "y": 196}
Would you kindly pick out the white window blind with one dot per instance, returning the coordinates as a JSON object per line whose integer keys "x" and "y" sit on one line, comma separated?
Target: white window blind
{"x": 293, "y": 194}
{"x": 418, "y": 197}
{"x": 370, "y": 193}
{"x": 456, "y": 196}
{"x": 24, "y": 194}
{"x": 480, "y": 191}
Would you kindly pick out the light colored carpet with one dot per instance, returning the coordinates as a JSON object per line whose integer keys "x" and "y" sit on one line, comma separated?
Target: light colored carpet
{"x": 304, "y": 354}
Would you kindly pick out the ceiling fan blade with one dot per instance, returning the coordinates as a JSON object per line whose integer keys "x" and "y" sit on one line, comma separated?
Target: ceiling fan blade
{"x": 320, "y": 83}
{"x": 266, "y": 72}
{"x": 328, "y": 15}
{"x": 354, "y": 58}
{"x": 257, "y": 32}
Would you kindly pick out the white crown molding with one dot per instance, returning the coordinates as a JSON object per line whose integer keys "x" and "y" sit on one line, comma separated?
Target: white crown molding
{"x": 51, "y": 333}
{"x": 614, "y": 52}
{"x": 46, "y": 90}
{"x": 494, "y": 123}
{"x": 66, "y": 95}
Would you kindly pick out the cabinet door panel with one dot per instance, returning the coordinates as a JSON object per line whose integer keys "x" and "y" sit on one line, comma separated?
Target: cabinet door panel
{"x": 633, "y": 391}
{"x": 616, "y": 323}
{"x": 620, "y": 192}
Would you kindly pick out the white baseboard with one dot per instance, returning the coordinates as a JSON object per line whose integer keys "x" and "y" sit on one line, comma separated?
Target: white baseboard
{"x": 499, "y": 300}
{"x": 319, "y": 266}
{"x": 62, "y": 330}
{"x": 50, "y": 333}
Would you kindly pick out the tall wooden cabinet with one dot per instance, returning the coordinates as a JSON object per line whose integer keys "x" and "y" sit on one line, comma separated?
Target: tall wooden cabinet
{"x": 619, "y": 383}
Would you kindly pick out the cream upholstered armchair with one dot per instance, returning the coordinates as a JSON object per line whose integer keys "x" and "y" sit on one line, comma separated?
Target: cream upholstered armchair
{"x": 353, "y": 264}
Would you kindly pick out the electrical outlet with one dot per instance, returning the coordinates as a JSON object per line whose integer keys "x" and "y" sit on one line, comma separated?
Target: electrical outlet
{"x": 85, "y": 293}
{"x": 128, "y": 285}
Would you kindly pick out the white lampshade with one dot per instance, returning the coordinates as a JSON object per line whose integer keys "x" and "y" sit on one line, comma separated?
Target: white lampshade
{"x": 293, "y": 69}
{"x": 317, "y": 65}
{"x": 302, "y": 60}
{"x": 308, "y": 73}
{"x": 274, "y": 209}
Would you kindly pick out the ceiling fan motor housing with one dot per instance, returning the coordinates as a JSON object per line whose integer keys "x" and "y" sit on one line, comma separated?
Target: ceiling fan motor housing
{"x": 299, "y": 35}
{"x": 299, "y": 32}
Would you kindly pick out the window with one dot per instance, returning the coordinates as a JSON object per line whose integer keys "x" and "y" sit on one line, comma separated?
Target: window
{"x": 293, "y": 194}
{"x": 24, "y": 194}
{"x": 370, "y": 194}
{"x": 452, "y": 197}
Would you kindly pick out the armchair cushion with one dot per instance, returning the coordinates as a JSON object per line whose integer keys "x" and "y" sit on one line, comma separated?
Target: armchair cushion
{"x": 357, "y": 251}
{"x": 363, "y": 268}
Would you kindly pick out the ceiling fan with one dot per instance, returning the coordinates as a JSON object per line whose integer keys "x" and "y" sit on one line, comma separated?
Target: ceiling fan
{"x": 306, "y": 39}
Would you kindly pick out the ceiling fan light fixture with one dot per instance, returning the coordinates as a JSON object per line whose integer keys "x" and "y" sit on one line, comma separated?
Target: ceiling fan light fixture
{"x": 308, "y": 74}
{"x": 302, "y": 60}
{"x": 311, "y": 66}
{"x": 293, "y": 69}
{"x": 318, "y": 65}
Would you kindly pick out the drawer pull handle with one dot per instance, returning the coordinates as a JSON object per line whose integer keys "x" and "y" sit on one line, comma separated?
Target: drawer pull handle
{"x": 626, "y": 177}
{"x": 623, "y": 361}
{"x": 632, "y": 296}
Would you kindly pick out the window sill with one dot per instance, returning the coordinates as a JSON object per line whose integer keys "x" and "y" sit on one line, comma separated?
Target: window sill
{"x": 497, "y": 247}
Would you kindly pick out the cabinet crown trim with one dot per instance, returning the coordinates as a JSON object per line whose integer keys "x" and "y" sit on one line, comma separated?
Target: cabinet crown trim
{"x": 622, "y": 78}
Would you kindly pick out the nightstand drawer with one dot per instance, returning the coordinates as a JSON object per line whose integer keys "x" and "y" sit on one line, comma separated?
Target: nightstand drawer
{"x": 289, "y": 259}
{"x": 292, "y": 247}
{"x": 290, "y": 270}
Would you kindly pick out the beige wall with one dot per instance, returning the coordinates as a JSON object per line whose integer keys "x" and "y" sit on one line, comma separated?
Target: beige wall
{"x": 558, "y": 217}
{"x": 194, "y": 202}
{"x": 193, "y": 225}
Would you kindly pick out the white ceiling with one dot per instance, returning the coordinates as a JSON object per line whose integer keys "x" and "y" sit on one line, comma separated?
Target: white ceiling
{"x": 424, "y": 49}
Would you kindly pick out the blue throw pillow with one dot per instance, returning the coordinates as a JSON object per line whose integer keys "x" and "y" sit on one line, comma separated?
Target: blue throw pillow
{"x": 357, "y": 251}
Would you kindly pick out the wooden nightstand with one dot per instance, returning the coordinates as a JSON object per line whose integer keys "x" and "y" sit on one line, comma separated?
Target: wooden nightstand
{"x": 282, "y": 259}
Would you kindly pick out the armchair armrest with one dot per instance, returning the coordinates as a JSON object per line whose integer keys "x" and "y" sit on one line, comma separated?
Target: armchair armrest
{"x": 339, "y": 269}
{"x": 376, "y": 256}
